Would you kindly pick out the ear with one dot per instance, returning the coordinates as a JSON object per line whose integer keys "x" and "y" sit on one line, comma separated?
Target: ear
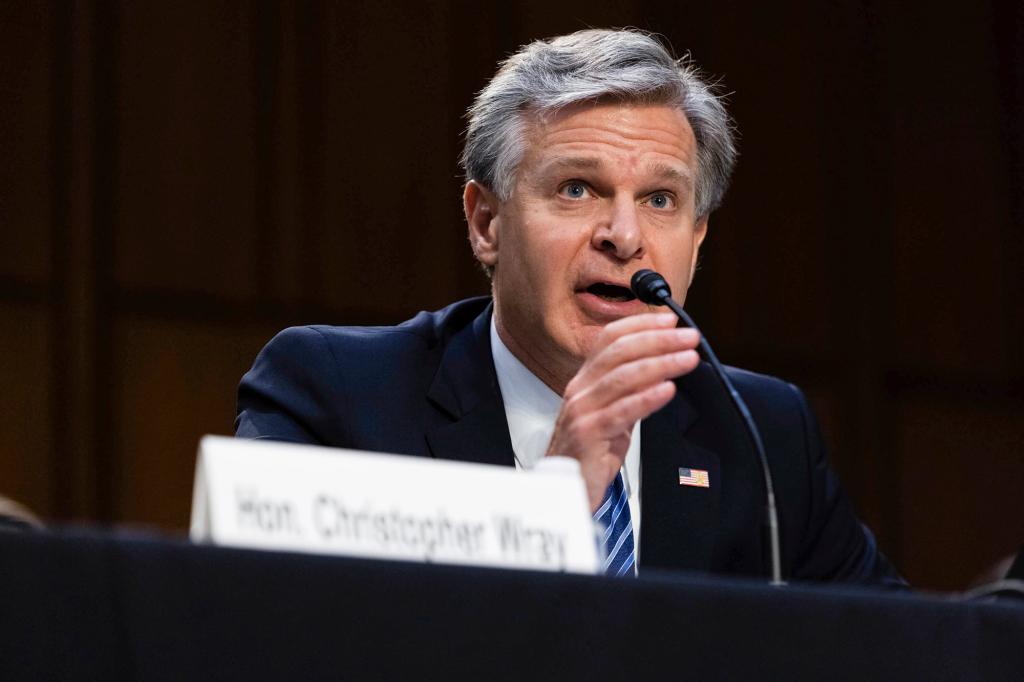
{"x": 700, "y": 230}
{"x": 481, "y": 207}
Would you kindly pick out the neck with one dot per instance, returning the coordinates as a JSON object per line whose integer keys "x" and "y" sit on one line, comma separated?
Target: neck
{"x": 551, "y": 371}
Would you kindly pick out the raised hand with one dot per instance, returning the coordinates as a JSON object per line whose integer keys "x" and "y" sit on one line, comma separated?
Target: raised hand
{"x": 627, "y": 377}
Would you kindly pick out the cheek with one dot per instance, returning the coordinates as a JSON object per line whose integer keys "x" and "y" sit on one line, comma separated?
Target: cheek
{"x": 545, "y": 256}
{"x": 675, "y": 263}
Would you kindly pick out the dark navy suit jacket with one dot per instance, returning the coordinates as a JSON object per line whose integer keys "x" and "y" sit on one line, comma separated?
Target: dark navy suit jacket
{"x": 427, "y": 387}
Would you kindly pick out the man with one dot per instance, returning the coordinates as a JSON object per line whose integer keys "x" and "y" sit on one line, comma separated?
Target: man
{"x": 587, "y": 157}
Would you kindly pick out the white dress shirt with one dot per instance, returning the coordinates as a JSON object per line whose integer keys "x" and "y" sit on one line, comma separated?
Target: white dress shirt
{"x": 531, "y": 409}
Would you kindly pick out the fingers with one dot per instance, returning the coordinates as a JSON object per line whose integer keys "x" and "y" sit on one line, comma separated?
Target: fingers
{"x": 581, "y": 428}
{"x": 635, "y": 345}
{"x": 630, "y": 379}
{"x": 600, "y": 439}
{"x": 631, "y": 355}
{"x": 633, "y": 324}
{"x": 620, "y": 415}
{"x": 626, "y": 378}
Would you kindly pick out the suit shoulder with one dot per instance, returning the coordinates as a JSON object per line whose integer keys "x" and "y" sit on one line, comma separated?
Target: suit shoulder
{"x": 765, "y": 388}
{"x": 422, "y": 333}
{"x": 310, "y": 383}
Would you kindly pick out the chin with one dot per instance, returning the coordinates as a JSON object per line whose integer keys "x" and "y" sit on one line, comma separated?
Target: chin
{"x": 586, "y": 338}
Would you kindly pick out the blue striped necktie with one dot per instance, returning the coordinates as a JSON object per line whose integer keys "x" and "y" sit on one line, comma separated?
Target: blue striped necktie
{"x": 618, "y": 535}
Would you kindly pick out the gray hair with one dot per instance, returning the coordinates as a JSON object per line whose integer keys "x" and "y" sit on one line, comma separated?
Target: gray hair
{"x": 589, "y": 66}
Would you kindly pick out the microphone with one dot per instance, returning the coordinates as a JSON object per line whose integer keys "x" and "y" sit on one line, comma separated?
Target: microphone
{"x": 651, "y": 288}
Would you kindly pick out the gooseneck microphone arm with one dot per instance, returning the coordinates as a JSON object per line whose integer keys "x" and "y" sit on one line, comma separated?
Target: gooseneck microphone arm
{"x": 651, "y": 288}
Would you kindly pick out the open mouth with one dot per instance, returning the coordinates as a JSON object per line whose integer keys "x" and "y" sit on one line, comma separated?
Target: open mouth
{"x": 610, "y": 292}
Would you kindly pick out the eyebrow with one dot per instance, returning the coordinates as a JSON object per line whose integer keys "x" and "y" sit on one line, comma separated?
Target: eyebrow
{"x": 667, "y": 172}
{"x": 661, "y": 170}
{"x": 573, "y": 163}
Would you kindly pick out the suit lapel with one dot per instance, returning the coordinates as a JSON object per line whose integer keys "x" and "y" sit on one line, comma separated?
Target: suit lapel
{"x": 678, "y": 522}
{"x": 466, "y": 389}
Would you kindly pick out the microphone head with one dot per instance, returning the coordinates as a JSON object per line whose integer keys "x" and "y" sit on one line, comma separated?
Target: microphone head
{"x": 650, "y": 287}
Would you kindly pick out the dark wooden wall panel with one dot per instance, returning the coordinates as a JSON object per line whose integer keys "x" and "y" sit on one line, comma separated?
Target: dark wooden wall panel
{"x": 529, "y": 20}
{"x": 185, "y": 158}
{"x": 174, "y": 382}
{"x": 776, "y": 233}
{"x": 25, "y": 106}
{"x": 950, "y": 173}
{"x": 388, "y": 160}
{"x": 26, "y": 468}
{"x": 961, "y": 468}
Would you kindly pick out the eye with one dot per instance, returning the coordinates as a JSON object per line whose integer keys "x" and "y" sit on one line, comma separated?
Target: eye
{"x": 574, "y": 189}
{"x": 661, "y": 201}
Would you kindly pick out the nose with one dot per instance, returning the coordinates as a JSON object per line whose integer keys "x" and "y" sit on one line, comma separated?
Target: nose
{"x": 620, "y": 234}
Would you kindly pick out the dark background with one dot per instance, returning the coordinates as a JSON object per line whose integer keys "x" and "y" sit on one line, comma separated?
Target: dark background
{"x": 182, "y": 179}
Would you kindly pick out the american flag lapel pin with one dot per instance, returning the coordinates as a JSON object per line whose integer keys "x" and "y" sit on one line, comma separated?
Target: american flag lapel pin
{"x": 698, "y": 478}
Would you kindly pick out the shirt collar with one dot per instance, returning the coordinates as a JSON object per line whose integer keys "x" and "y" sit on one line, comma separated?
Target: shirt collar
{"x": 531, "y": 407}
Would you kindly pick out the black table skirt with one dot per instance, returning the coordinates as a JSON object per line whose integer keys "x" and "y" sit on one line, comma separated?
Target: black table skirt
{"x": 96, "y": 606}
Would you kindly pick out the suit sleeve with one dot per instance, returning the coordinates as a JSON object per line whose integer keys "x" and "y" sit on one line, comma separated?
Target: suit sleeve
{"x": 288, "y": 394}
{"x": 834, "y": 545}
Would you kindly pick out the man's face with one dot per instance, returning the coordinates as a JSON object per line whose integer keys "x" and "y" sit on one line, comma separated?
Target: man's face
{"x": 602, "y": 191}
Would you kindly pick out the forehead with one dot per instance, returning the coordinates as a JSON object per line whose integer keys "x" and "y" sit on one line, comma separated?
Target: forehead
{"x": 628, "y": 136}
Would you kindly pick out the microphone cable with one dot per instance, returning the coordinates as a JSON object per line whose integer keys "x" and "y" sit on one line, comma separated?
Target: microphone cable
{"x": 651, "y": 288}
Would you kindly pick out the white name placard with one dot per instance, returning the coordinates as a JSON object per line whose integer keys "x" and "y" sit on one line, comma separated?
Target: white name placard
{"x": 270, "y": 495}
